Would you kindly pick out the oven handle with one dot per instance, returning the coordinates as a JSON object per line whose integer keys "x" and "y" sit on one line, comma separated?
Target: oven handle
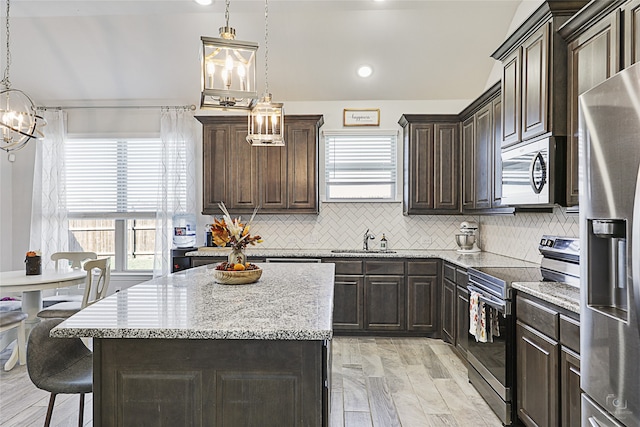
{"x": 501, "y": 305}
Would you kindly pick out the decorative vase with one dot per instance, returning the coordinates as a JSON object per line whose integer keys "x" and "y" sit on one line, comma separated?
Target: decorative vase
{"x": 237, "y": 257}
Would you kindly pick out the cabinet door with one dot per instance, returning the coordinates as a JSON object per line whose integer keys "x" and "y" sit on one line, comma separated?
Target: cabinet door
{"x": 347, "y": 302}
{"x": 483, "y": 157}
{"x": 511, "y": 87}
{"x": 446, "y": 168}
{"x": 631, "y": 11}
{"x": 592, "y": 58}
{"x": 462, "y": 320}
{"x": 302, "y": 165}
{"x": 535, "y": 92}
{"x": 468, "y": 162}
{"x": 216, "y": 160}
{"x": 570, "y": 388}
{"x": 448, "y": 311}
{"x": 419, "y": 191}
{"x": 243, "y": 169}
{"x": 273, "y": 178}
{"x": 421, "y": 303}
{"x": 384, "y": 298}
{"x": 496, "y": 152}
{"x": 537, "y": 373}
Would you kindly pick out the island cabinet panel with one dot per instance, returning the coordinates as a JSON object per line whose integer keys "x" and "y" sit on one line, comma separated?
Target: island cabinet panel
{"x": 431, "y": 164}
{"x": 278, "y": 179}
{"x": 210, "y": 382}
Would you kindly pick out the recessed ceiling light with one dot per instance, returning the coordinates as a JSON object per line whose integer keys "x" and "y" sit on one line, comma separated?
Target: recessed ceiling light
{"x": 365, "y": 71}
{"x": 203, "y": 2}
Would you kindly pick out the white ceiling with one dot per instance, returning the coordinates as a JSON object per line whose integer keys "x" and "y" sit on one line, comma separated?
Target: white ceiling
{"x": 146, "y": 52}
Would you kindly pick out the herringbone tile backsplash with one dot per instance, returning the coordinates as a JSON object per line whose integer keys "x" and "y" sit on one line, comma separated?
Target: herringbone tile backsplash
{"x": 342, "y": 225}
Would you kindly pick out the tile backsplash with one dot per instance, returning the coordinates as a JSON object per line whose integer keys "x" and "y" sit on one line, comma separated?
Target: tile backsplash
{"x": 342, "y": 225}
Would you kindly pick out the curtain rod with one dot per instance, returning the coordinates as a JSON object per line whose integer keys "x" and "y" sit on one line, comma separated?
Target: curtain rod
{"x": 191, "y": 107}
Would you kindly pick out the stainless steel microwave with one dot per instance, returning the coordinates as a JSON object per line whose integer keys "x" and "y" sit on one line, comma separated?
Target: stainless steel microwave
{"x": 532, "y": 173}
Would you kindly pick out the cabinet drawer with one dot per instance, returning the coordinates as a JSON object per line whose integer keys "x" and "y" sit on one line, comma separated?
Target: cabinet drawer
{"x": 384, "y": 267}
{"x": 449, "y": 272}
{"x": 462, "y": 277}
{"x": 570, "y": 333}
{"x": 198, "y": 261}
{"x": 537, "y": 316}
{"x": 347, "y": 267}
{"x": 422, "y": 268}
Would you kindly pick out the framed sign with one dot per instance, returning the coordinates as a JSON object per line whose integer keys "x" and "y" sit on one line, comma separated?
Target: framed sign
{"x": 362, "y": 117}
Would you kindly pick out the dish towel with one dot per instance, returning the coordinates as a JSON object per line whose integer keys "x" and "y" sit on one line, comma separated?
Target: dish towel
{"x": 477, "y": 318}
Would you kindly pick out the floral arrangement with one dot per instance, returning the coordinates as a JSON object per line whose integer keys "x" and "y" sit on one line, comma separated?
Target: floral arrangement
{"x": 232, "y": 232}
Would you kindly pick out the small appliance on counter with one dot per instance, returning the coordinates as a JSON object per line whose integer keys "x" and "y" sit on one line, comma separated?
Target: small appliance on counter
{"x": 466, "y": 240}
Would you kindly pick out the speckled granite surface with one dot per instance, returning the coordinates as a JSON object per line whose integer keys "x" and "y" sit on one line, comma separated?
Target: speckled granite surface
{"x": 481, "y": 259}
{"x": 289, "y": 302}
{"x": 560, "y": 294}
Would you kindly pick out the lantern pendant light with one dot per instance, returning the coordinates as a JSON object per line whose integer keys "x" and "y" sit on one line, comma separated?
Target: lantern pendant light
{"x": 19, "y": 122}
{"x": 266, "y": 121}
{"x": 228, "y": 71}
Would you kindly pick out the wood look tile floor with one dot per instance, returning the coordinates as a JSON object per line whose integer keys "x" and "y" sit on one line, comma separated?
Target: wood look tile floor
{"x": 381, "y": 382}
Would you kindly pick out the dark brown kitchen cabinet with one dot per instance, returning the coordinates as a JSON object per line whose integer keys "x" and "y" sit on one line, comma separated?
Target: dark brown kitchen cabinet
{"x": 451, "y": 313}
{"x": 631, "y": 13}
{"x": 481, "y": 154}
{"x": 462, "y": 320}
{"x": 448, "y": 311}
{"x": 422, "y": 291}
{"x": 594, "y": 51}
{"x": 534, "y": 75}
{"x": 384, "y": 295}
{"x": 278, "y": 179}
{"x": 431, "y": 164}
{"x": 547, "y": 358}
{"x": 348, "y": 297}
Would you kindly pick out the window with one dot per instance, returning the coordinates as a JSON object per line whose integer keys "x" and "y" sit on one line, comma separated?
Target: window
{"x": 360, "y": 166}
{"x": 112, "y": 194}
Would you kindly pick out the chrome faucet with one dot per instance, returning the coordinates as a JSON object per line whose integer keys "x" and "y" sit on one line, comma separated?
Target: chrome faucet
{"x": 365, "y": 241}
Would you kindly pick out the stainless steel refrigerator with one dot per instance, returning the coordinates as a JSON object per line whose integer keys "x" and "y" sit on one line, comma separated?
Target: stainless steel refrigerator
{"x": 610, "y": 251}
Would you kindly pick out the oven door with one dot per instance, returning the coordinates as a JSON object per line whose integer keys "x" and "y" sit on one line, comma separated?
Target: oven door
{"x": 525, "y": 174}
{"x": 490, "y": 359}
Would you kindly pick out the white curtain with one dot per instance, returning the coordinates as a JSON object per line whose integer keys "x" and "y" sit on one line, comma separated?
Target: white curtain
{"x": 49, "y": 226}
{"x": 177, "y": 180}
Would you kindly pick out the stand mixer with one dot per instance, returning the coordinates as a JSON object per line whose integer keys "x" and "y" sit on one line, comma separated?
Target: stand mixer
{"x": 466, "y": 240}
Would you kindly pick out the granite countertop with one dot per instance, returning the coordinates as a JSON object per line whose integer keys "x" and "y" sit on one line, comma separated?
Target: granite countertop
{"x": 560, "y": 294}
{"x": 289, "y": 302}
{"x": 480, "y": 259}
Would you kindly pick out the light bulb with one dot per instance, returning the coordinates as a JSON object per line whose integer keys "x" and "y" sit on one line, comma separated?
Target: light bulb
{"x": 365, "y": 71}
{"x": 228, "y": 62}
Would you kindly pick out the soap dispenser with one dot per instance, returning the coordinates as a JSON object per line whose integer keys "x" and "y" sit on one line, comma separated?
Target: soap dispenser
{"x": 383, "y": 243}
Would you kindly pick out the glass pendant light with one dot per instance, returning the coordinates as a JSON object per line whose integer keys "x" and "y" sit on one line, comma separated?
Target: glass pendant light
{"x": 19, "y": 122}
{"x": 266, "y": 121}
{"x": 228, "y": 71}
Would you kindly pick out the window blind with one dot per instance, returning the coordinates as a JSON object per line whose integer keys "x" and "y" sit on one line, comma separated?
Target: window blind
{"x": 359, "y": 161}
{"x": 109, "y": 177}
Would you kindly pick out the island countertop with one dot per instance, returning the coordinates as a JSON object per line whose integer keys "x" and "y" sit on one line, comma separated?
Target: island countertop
{"x": 289, "y": 302}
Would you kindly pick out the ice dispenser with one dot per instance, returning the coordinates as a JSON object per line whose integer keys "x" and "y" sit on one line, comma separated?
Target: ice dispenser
{"x": 608, "y": 267}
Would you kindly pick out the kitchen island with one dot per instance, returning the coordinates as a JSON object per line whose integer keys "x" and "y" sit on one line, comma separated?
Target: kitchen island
{"x": 184, "y": 350}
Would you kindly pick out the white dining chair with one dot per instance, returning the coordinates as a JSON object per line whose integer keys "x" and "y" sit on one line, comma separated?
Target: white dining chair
{"x": 73, "y": 260}
{"x": 96, "y": 288}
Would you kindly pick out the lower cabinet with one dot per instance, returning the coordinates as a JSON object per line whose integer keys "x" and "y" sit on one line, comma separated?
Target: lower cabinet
{"x": 462, "y": 320}
{"x": 547, "y": 363}
{"x": 455, "y": 306}
{"x": 385, "y": 296}
{"x": 448, "y": 299}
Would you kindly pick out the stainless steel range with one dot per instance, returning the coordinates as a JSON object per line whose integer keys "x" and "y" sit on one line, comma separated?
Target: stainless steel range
{"x": 492, "y": 362}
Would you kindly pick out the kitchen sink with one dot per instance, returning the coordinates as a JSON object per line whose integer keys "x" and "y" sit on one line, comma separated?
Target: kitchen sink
{"x": 361, "y": 251}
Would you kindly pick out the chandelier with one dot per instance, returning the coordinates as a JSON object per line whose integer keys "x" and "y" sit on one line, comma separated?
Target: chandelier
{"x": 18, "y": 119}
{"x": 266, "y": 121}
{"x": 228, "y": 70}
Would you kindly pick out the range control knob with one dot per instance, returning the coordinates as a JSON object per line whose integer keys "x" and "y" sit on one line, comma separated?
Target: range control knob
{"x": 549, "y": 243}
{"x": 543, "y": 242}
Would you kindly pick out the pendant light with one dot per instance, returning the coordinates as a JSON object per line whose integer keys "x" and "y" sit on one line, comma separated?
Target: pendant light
{"x": 19, "y": 122}
{"x": 266, "y": 121}
{"x": 228, "y": 70}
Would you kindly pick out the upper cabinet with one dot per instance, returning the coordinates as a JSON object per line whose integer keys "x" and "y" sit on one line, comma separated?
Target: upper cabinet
{"x": 278, "y": 179}
{"x": 601, "y": 38}
{"x": 431, "y": 164}
{"x": 481, "y": 159}
{"x": 534, "y": 75}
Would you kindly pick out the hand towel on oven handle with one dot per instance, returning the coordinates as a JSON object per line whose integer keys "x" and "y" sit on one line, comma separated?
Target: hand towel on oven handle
{"x": 483, "y": 319}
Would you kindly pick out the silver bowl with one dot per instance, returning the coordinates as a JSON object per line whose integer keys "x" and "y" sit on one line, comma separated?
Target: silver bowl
{"x": 465, "y": 241}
